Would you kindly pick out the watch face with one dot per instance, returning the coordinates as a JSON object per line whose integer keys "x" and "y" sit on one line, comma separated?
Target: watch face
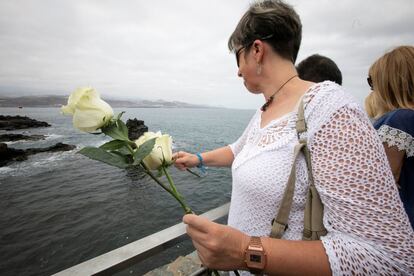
{"x": 255, "y": 260}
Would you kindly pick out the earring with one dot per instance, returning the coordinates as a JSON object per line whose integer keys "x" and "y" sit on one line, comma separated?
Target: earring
{"x": 258, "y": 69}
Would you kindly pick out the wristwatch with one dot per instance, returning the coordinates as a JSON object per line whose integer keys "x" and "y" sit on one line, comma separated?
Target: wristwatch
{"x": 255, "y": 256}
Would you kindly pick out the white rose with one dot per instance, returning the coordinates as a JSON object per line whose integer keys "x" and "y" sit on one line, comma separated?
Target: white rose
{"x": 162, "y": 151}
{"x": 89, "y": 111}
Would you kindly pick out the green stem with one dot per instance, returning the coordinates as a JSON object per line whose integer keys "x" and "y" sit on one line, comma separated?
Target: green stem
{"x": 130, "y": 149}
{"x": 190, "y": 171}
{"x": 131, "y": 144}
{"x": 186, "y": 209}
{"x": 170, "y": 181}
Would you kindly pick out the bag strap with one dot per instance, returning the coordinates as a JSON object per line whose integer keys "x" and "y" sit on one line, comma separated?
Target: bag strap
{"x": 279, "y": 223}
{"x": 313, "y": 227}
{"x": 313, "y": 219}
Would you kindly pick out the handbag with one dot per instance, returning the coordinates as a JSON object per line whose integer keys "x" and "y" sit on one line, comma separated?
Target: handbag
{"x": 313, "y": 227}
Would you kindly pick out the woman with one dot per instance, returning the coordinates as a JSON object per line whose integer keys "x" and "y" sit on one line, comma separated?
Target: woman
{"x": 391, "y": 104}
{"x": 368, "y": 230}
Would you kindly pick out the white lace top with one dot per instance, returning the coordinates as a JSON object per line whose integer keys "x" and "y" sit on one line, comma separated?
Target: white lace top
{"x": 369, "y": 232}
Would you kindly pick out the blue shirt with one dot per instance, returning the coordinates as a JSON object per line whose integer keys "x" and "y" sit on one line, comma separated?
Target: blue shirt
{"x": 396, "y": 128}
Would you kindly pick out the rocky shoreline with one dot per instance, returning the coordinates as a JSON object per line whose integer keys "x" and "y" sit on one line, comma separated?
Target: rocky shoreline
{"x": 8, "y": 155}
{"x": 19, "y": 122}
{"x": 12, "y": 137}
{"x": 9, "y": 123}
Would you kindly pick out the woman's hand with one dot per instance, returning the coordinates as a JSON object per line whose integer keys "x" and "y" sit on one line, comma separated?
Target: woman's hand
{"x": 218, "y": 246}
{"x": 184, "y": 160}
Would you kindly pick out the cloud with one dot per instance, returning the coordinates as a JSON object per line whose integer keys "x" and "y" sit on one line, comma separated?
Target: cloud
{"x": 177, "y": 50}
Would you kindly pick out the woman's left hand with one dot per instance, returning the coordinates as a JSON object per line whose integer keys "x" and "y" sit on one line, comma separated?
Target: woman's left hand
{"x": 219, "y": 246}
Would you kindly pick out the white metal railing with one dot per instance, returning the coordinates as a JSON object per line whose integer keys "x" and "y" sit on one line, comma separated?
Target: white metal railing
{"x": 135, "y": 252}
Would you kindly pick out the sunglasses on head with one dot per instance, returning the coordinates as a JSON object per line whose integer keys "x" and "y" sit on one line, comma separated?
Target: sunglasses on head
{"x": 238, "y": 52}
{"x": 369, "y": 80}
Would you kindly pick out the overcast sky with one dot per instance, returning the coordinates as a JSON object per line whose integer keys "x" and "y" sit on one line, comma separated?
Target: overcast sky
{"x": 177, "y": 49}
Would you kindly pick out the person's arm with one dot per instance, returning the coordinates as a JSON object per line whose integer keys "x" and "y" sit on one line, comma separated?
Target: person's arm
{"x": 221, "y": 157}
{"x": 396, "y": 159}
{"x": 222, "y": 247}
{"x": 368, "y": 230}
{"x": 396, "y": 132}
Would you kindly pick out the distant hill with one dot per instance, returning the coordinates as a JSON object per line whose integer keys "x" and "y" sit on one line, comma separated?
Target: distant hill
{"x": 58, "y": 101}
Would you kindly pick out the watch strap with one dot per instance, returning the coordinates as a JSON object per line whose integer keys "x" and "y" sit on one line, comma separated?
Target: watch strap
{"x": 255, "y": 242}
{"x": 255, "y": 245}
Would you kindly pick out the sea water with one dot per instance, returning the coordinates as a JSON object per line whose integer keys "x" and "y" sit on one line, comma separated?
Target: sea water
{"x": 60, "y": 209}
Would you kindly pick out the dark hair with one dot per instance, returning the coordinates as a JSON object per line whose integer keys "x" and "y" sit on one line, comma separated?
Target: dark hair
{"x": 271, "y": 19}
{"x": 319, "y": 68}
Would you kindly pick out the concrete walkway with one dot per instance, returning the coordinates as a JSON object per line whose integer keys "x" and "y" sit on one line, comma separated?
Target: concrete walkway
{"x": 182, "y": 266}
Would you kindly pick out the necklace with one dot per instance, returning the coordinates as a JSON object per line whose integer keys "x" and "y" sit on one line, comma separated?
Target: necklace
{"x": 270, "y": 100}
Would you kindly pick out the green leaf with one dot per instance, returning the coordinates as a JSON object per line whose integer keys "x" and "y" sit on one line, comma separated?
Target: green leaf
{"x": 119, "y": 115}
{"x": 122, "y": 127}
{"x": 143, "y": 151}
{"x": 124, "y": 151}
{"x": 115, "y": 132}
{"x": 113, "y": 145}
{"x": 105, "y": 157}
{"x": 126, "y": 155}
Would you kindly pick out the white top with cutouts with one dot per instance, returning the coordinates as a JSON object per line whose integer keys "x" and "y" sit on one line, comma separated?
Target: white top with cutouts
{"x": 369, "y": 232}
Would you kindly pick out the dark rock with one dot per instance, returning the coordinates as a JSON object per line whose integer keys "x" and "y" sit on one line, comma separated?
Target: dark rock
{"x": 135, "y": 128}
{"x": 54, "y": 148}
{"x": 8, "y": 155}
{"x": 17, "y": 137}
{"x": 19, "y": 122}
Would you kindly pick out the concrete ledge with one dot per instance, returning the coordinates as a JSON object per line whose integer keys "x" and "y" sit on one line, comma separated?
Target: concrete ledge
{"x": 125, "y": 256}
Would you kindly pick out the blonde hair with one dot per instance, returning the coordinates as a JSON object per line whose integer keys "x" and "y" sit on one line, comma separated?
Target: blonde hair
{"x": 393, "y": 81}
{"x": 373, "y": 109}
{"x": 369, "y": 106}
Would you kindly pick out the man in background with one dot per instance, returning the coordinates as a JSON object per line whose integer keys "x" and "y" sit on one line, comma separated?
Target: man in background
{"x": 317, "y": 68}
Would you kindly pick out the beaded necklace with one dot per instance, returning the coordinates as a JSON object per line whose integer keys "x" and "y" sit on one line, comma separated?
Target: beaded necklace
{"x": 270, "y": 100}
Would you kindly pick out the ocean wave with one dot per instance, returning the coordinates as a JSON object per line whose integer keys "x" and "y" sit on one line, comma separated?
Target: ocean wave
{"x": 53, "y": 136}
{"x": 51, "y": 158}
{"x": 47, "y": 137}
{"x": 5, "y": 170}
{"x": 39, "y": 163}
{"x": 13, "y": 142}
{"x": 96, "y": 144}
